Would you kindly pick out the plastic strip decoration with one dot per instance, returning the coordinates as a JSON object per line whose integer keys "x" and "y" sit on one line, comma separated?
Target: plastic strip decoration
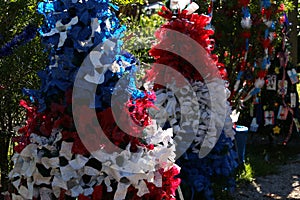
{"x": 52, "y": 159}
{"x": 176, "y": 39}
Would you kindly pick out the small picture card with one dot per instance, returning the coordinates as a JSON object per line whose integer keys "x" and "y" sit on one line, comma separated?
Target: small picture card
{"x": 293, "y": 76}
{"x": 282, "y": 87}
{"x": 269, "y": 117}
{"x": 297, "y": 124}
{"x": 293, "y": 100}
{"x": 253, "y": 125}
{"x": 271, "y": 84}
{"x": 282, "y": 113}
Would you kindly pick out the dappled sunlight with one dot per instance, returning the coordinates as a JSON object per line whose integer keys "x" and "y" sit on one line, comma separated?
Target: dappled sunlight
{"x": 295, "y": 193}
{"x": 283, "y": 185}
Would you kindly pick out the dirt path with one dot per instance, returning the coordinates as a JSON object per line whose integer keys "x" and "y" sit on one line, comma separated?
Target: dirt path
{"x": 284, "y": 185}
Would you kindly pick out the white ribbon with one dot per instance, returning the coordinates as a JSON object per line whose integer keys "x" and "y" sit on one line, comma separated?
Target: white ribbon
{"x": 66, "y": 150}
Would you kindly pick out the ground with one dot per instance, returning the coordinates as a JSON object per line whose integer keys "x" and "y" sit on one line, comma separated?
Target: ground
{"x": 275, "y": 169}
{"x": 283, "y": 185}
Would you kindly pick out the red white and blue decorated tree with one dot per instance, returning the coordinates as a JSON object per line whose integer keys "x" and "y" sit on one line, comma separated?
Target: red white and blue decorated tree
{"x": 74, "y": 145}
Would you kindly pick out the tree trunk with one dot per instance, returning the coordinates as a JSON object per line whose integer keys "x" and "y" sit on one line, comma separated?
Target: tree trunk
{"x": 4, "y": 143}
{"x": 293, "y": 35}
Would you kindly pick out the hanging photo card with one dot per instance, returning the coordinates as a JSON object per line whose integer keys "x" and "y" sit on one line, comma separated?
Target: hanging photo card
{"x": 293, "y": 76}
{"x": 253, "y": 125}
{"x": 271, "y": 84}
{"x": 282, "y": 87}
{"x": 293, "y": 100}
{"x": 297, "y": 124}
{"x": 269, "y": 117}
{"x": 282, "y": 113}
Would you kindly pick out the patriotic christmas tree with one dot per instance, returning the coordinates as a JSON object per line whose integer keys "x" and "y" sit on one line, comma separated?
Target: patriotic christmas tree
{"x": 190, "y": 85}
{"x": 88, "y": 133}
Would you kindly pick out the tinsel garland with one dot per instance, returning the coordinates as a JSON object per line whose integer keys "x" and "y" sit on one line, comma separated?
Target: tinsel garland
{"x": 24, "y": 37}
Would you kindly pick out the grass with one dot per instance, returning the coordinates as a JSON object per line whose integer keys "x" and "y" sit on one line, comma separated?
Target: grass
{"x": 263, "y": 159}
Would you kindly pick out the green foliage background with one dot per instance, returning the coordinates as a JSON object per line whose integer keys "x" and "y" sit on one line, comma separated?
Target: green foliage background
{"x": 16, "y": 72}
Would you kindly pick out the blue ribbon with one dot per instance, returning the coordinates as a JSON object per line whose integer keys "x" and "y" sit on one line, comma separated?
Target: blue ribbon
{"x": 24, "y": 37}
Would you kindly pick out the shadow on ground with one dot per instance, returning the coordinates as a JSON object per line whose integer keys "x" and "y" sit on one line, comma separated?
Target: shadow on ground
{"x": 275, "y": 168}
